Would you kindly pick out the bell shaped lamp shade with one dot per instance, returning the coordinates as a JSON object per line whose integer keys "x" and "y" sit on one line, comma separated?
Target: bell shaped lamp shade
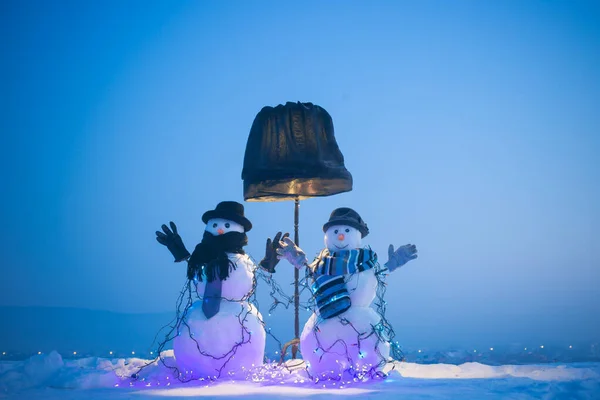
{"x": 292, "y": 154}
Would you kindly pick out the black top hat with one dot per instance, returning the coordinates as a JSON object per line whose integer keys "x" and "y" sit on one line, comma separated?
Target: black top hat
{"x": 349, "y": 217}
{"x": 230, "y": 210}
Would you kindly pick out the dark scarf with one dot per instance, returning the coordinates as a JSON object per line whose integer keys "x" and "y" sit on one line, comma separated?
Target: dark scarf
{"x": 328, "y": 270}
{"x": 209, "y": 258}
{"x": 343, "y": 262}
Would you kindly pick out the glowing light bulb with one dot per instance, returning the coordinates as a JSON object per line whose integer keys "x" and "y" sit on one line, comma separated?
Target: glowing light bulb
{"x": 570, "y": 347}
{"x": 151, "y": 352}
{"x": 491, "y": 348}
{"x": 525, "y": 348}
{"x": 133, "y": 352}
{"x": 542, "y": 346}
{"x": 3, "y": 353}
{"x": 110, "y": 352}
{"x": 74, "y": 353}
{"x": 39, "y": 352}
{"x": 474, "y": 351}
{"x": 419, "y": 350}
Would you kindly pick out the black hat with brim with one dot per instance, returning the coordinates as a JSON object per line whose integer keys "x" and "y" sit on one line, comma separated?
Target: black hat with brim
{"x": 230, "y": 210}
{"x": 348, "y": 217}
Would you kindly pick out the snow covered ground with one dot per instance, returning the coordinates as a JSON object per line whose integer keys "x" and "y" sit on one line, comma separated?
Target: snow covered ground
{"x": 49, "y": 376}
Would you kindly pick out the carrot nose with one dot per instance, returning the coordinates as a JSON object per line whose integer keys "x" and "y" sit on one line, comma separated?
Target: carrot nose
{"x": 220, "y": 231}
{"x": 341, "y": 237}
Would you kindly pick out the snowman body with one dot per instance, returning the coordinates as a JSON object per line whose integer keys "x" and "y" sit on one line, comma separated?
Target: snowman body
{"x": 347, "y": 342}
{"x": 231, "y": 340}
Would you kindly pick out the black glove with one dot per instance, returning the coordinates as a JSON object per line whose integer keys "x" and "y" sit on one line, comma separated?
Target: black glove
{"x": 173, "y": 242}
{"x": 270, "y": 261}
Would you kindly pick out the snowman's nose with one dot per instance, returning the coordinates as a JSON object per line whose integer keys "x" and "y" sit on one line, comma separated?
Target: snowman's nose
{"x": 220, "y": 231}
{"x": 341, "y": 237}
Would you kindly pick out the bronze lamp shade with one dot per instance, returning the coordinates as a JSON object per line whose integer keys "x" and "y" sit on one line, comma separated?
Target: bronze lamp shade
{"x": 292, "y": 154}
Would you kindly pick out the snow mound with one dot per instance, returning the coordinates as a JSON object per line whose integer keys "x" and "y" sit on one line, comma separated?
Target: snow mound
{"x": 51, "y": 371}
{"x": 36, "y": 371}
{"x": 475, "y": 370}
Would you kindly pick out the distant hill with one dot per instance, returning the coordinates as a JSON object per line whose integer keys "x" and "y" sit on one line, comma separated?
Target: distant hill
{"x": 27, "y": 330}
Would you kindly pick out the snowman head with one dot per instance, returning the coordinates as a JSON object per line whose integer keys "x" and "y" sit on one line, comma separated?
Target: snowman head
{"x": 228, "y": 216}
{"x": 220, "y": 226}
{"x": 342, "y": 237}
{"x": 344, "y": 230}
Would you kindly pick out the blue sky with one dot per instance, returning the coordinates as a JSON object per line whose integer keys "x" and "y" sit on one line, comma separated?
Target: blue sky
{"x": 471, "y": 129}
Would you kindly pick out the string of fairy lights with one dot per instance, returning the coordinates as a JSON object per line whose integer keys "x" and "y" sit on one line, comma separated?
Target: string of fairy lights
{"x": 382, "y": 331}
{"x": 14, "y": 354}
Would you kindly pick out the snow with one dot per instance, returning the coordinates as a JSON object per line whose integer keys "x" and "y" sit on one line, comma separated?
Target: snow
{"x": 47, "y": 376}
{"x": 231, "y": 340}
{"x": 220, "y": 344}
{"x": 362, "y": 288}
{"x": 336, "y": 347}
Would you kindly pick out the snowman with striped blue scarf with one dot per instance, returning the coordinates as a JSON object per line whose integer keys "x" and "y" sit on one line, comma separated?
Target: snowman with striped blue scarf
{"x": 344, "y": 334}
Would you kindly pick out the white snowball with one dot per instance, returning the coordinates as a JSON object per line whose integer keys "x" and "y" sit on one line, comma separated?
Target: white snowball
{"x": 342, "y": 237}
{"x": 214, "y": 225}
{"x": 337, "y": 345}
{"x": 205, "y": 347}
{"x": 362, "y": 288}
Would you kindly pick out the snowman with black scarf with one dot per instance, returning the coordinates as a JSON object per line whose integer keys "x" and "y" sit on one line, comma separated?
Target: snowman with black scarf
{"x": 345, "y": 335}
{"x": 222, "y": 332}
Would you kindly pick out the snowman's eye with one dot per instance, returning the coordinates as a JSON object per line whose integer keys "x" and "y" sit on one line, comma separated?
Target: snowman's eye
{"x": 336, "y": 231}
{"x": 347, "y": 230}
{"x": 227, "y": 224}
{"x": 215, "y": 225}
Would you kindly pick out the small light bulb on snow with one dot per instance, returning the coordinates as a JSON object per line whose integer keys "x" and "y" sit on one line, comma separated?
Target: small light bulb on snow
{"x": 110, "y": 352}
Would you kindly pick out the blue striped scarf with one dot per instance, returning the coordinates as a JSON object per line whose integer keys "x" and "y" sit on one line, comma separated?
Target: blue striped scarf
{"x": 328, "y": 271}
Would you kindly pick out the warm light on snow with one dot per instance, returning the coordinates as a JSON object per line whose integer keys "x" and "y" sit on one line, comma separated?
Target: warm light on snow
{"x": 248, "y": 389}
